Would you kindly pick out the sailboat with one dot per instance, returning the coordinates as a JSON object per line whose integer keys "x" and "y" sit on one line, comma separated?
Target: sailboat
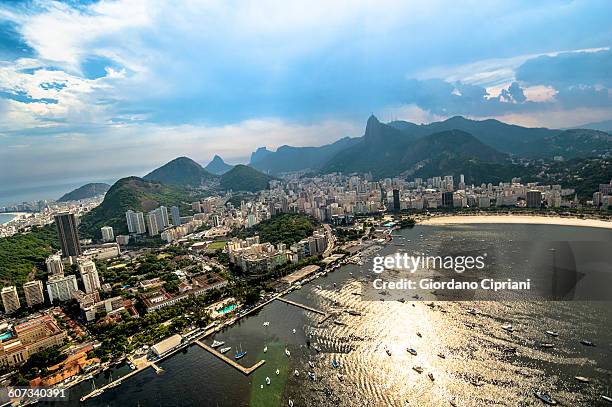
{"x": 287, "y": 352}
{"x": 240, "y": 354}
{"x": 265, "y": 348}
{"x": 267, "y": 380}
{"x": 216, "y": 344}
{"x": 277, "y": 372}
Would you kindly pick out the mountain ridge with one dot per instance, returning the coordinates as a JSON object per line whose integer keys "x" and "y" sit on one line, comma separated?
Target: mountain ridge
{"x": 88, "y": 190}
{"x": 217, "y": 166}
{"x": 181, "y": 171}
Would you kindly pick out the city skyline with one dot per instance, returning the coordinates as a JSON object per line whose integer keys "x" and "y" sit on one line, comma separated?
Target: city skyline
{"x": 68, "y": 100}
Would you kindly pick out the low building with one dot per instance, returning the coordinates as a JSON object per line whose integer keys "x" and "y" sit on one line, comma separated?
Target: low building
{"x": 159, "y": 298}
{"x": 31, "y": 336}
{"x": 300, "y": 274}
{"x": 163, "y": 347}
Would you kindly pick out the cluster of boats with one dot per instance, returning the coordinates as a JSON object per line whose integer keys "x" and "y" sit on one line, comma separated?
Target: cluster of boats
{"x": 239, "y": 352}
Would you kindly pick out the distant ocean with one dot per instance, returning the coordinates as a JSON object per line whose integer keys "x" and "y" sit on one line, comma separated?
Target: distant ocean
{"x": 6, "y": 217}
{"x": 48, "y": 192}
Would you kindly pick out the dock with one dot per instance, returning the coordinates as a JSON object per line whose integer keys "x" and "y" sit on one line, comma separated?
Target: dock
{"x": 244, "y": 370}
{"x": 297, "y": 304}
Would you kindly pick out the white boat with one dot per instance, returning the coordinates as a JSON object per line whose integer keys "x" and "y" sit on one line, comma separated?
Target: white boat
{"x": 267, "y": 380}
{"x": 265, "y": 349}
{"x": 216, "y": 344}
{"x": 294, "y": 330}
{"x": 507, "y": 328}
{"x": 552, "y": 333}
{"x": 296, "y": 373}
{"x": 277, "y": 372}
{"x": 267, "y": 323}
{"x": 223, "y": 350}
{"x": 290, "y": 403}
{"x": 287, "y": 352}
{"x": 582, "y": 379}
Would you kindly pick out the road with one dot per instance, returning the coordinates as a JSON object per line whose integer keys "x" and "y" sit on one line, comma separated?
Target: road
{"x": 331, "y": 240}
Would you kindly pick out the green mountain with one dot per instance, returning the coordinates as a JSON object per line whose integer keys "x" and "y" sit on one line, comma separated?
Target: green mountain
{"x": 605, "y": 125}
{"x": 181, "y": 171}
{"x": 244, "y": 178}
{"x": 217, "y": 166}
{"x": 507, "y": 138}
{"x": 86, "y": 191}
{"x": 132, "y": 193}
{"x": 577, "y": 143}
{"x": 386, "y": 151}
{"x": 291, "y": 159}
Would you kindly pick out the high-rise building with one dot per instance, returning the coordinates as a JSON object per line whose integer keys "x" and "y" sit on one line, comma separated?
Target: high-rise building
{"x": 152, "y": 224}
{"x": 107, "y": 233}
{"x": 89, "y": 275}
{"x": 534, "y": 198}
{"x": 135, "y": 222}
{"x": 61, "y": 287}
{"x": 163, "y": 216}
{"x": 55, "y": 265}
{"x": 33, "y": 291}
{"x": 176, "y": 216}
{"x": 396, "y": 200}
{"x": 447, "y": 199}
{"x": 10, "y": 299}
{"x": 68, "y": 234}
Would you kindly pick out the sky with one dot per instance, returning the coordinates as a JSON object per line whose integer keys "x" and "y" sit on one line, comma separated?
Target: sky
{"x": 97, "y": 90}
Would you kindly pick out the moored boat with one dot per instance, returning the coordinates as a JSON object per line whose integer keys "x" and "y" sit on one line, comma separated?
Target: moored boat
{"x": 224, "y": 350}
{"x": 546, "y": 398}
{"x": 216, "y": 344}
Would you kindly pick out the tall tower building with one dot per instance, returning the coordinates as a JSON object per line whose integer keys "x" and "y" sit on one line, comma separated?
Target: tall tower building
{"x": 163, "y": 216}
{"x": 33, "y": 293}
{"x": 10, "y": 299}
{"x": 135, "y": 222}
{"x": 176, "y": 216}
{"x": 55, "y": 265}
{"x": 89, "y": 275}
{"x": 108, "y": 234}
{"x": 152, "y": 224}
{"x": 447, "y": 199}
{"x": 396, "y": 200}
{"x": 68, "y": 234}
{"x": 61, "y": 287}
{"x": 534, "y": 198}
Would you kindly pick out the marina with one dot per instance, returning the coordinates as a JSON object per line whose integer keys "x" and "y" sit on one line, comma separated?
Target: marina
{"x": 244, "y": 370}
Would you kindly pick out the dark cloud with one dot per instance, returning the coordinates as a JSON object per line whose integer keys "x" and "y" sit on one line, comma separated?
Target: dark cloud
{"x": 568, "y": 69}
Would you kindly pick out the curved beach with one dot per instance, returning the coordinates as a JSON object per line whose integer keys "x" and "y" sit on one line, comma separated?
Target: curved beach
{"x": 524, "y": 219}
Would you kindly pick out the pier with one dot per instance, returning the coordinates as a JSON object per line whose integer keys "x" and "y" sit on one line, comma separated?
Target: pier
{"x": 245, "y": 370}
{"x": 297, "y": 304}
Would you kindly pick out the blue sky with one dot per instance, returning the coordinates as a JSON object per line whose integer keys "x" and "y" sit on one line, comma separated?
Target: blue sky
{"x": 96, "y": 90}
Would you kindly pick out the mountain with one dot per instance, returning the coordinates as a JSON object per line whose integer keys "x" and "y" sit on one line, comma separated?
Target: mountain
{"x": 86, "y": 191}
{"x": 290, "y": 159}
{"x": 259, "y": 154}
{"x": 605, "y": 125}
{"x": 244, "y": 178}
{"x": 181, "y": 171}
{"x": 507, "y": 138}
{"x": 132, "y": 193}
{"x": 386, "y": 151}
{"x": 217, "y": 166}
{"x": 577, "y": 143}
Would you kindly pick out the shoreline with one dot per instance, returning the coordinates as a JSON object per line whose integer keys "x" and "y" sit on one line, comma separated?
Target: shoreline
{"x": 514, "y": 219}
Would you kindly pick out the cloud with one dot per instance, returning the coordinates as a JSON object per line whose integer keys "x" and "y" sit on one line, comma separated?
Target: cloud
{"x": 142, "y": 80}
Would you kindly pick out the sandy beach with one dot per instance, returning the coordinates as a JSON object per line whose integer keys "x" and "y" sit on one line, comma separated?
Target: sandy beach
{"x": 524, "y": 219}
